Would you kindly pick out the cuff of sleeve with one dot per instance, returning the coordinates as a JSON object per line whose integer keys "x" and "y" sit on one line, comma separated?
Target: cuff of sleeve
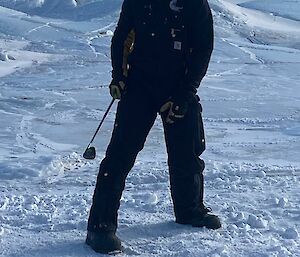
{"x": 192, "y": 84}
{"x": 185, "y": 94}
{"x": 117, "y": 75}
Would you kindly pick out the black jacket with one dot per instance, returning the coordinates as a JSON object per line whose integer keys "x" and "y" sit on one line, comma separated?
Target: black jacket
{"x": 172, "y": 48}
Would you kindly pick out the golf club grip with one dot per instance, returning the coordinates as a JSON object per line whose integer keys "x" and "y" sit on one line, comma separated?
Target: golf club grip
{"x": 101, "y": 122}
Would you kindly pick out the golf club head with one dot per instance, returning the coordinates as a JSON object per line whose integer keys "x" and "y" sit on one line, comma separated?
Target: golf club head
{"x": 90, "y": 153}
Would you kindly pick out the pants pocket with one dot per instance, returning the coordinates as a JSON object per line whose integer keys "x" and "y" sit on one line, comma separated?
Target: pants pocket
{"x": 200, "y": 144}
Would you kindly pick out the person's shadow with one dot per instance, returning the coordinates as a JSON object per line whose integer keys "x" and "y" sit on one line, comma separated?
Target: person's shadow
{"x": 67, "y": 248}
{"x": 76, "y": 247}
{"x": 161, "y": 229}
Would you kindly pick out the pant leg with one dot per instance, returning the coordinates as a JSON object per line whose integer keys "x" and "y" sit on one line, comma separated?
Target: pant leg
{"x": 185, "y": 142}
{"x": 134, "y": 118}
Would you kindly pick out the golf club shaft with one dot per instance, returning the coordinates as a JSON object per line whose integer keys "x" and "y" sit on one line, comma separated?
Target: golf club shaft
{"x": 101, "y": 122}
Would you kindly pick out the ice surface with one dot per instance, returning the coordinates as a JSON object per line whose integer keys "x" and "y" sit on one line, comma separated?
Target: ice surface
{"x": 53, "y": 91}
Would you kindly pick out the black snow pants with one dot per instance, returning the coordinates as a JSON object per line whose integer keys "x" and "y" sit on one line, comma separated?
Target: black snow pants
{"x": 184, "y": 140}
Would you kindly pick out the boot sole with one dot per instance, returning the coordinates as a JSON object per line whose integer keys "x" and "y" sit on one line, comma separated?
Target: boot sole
{"x": 198, "y": 225}
{"x": 104, "y": 251}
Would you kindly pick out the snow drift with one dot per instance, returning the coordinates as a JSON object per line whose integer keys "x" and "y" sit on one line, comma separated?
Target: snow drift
{"x": 284, "y": 8}
{"x": 64, "y": 9}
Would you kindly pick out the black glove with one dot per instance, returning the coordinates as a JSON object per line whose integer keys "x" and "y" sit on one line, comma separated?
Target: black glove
{"x": 117, "y": 89}
{"x": 176, "y": 108}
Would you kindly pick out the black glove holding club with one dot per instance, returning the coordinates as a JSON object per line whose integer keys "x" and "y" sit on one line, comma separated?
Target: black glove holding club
{"x": 117, "y": 88}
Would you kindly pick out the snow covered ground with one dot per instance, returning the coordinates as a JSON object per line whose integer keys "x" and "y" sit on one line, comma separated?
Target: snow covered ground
{"x": 54, "y": 71}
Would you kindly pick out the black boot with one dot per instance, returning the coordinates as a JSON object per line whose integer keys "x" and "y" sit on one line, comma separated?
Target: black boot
{"x": 202, "y": 218}
{"x": 105, "y": 242}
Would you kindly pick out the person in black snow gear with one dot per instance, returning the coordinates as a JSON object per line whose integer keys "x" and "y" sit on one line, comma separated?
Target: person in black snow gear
{"x": 160, "y": 53}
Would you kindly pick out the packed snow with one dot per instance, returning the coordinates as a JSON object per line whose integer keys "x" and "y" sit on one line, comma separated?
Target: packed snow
{"x": 54, "y": 72}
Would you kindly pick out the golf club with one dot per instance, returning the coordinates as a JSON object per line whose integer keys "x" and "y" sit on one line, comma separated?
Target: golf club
{"x": 90, "y": 151}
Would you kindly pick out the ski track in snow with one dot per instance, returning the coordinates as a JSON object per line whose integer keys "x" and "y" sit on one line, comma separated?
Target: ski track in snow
{"x": 50, "y": 108}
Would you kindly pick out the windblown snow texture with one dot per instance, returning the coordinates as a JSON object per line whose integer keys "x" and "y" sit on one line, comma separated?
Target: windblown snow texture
{"x": 55, "y": 68}
{"x": 64, "y": 9}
